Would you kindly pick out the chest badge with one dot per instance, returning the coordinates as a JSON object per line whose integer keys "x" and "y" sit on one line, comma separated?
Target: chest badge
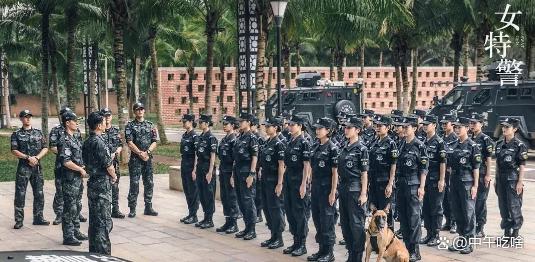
{"x": 463, "y": 160}
{"x": 349, "y": 164}
{"x": 201, "y": 149}
{"x": 241, "y": 150}
{"x": 321, "y": 163}
{"x": 408, "y": 163}
{"x": 186, "y": 148}
{"x": 508, "y": 159}
{"x": 294, "y": 158}
{"x": 379, "y": 157}
{"x": 268, "y": 158}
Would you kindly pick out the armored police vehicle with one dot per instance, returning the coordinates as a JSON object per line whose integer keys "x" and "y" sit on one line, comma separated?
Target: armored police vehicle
{"x": 496, "y": 101}
{"x": 315, "y": 98}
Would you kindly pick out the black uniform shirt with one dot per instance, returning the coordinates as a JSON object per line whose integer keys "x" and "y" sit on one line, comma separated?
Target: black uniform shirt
{"x": 509, "y": 157}
{"x": 187, "y": 147}
{"x": 436, "y": 151}
{"x": 465, "y": 158}
{"x": 353, "y": 160}
{"x": 245, "y": 148}
{"x": 368, "y": 135}
{"x": 323, "y": 158}
{"x": 486, "y": 145}
{"x": 412, "y": 161}
{"x": 270, "y": 155}
{"x": 205, "y": 145}
{"x": 224, "y": 152}
{"x": 450, "y": 142}
{"x": 383, "y": 154}
{"x": 297, "y": 152}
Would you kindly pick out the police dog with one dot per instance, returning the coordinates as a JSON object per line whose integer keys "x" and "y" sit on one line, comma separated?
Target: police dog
{"x": 382, "y": 240}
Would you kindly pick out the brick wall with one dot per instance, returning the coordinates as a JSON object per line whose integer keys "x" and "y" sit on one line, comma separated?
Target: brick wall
{"x": 379, "y": 91}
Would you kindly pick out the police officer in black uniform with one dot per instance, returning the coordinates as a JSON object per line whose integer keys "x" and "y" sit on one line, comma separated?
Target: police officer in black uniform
{"x": 411, "y": 176}
{"x": 511, "y": 156}
{"x": 420, "y": 133}
{"x": 113, "y": 140}
{"x": 353, "y": 171}
{"x": 271, "y": 162}
{"x": 29, "y": 146}
{"x": 450, "y": 141}
{"x": 285, "y": 127}
{"x": 383, "y": 156}
{"x": 187, "y": 168}
{"x": 226, "y": 161}
{"x": 368, "y": 132}
{"x": 324, "y": 162}
{"x": 486, "y": 145}
{"x": 297, "y": 161}
{"x": 245, "y": 154}
{"x": 435, "y": 182}
{"x": 465, "y": 162}
{"x": 205, "y": 149}
{"x": 258, "y": 197}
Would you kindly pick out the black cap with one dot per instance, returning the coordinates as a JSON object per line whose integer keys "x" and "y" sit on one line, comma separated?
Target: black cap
{"x": 430, "y": 119}
{"x": 138, "y": 105}
{"x": 410, "y": 120}
{"x": 274, "y": 121}
{"x": 324, "y": 122}
{"x": 382, "y": 120}
{"x": 476, "y": 117}
{"x": 246, "y": 117}
{"x": 25, "y": 113}
{"x": 295, "y": 119}
{"x": 63, "y": 110}
{"x": 229, "y": 120}
{"x": 67, "y": 116}
{"x": 462, "y": 121}
{"x": 255, "y": 121}
{"x": 447, "y": 118}
{"x": 105, "y": 111}
{"x": 286, "y": 115}
{"x": 205, "y": 118}
{"x": 396, "y": 112}
{"x": 354, "y": 122}
{"x": 511, "y": 122}
{"x": 420, "y": 113}
{"x": 397, "y": 120}
{"x": 188, "y": 117}
{"x": 367, "y": 112}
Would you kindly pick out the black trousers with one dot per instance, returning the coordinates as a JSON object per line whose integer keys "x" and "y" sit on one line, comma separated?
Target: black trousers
{"x": 273, "y": 206}
{"x": 258, "y": 200}
{"x": 352, "y": 219}
{"x": 432, "y": 207}
{"x": 379, "y": 199}
{"x": 191, "y": 190}
{"x": 409, "y": 211}
{"x": 323, "y": 213}
{"x": 447, "y": 205}
{"x": 246, "y": 196}
{"x": 206, "y": 190}
{"x": 481, "y": 202}
{"x": 295, "y": 207}
{"x": 465, "y": 215}
{"x": 229, "y": 199}
{"x": 510, "y": 203}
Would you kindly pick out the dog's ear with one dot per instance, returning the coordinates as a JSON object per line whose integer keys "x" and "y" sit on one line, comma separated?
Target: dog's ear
{"x": 387, "y": 208}
{"x": 373, "y": 208}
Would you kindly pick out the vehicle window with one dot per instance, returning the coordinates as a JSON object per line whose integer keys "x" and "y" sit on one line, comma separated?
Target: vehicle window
{"x": 512, "y": 93}
{"x": 452, "y": 97}
{"x": 526, "y": 92}
{"x": 481, "y": 97}
{"x": 290, "y": 98}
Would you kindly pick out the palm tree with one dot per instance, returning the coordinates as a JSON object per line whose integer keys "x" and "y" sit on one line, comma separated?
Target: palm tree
{"x": 225, "y": 52}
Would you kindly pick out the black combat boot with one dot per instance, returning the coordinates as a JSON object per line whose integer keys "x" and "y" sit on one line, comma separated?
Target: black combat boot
{"x": 117, "y": 214}
{"x": 184, "y": 218}
{"x": 301, "y": 248}
{"x": 57, "y": 220}
{"x": 199, "y": 224}
{"x": 241, "y": 234}
{"x": 233, "y": 227}
{"x": 357, "y": 257}
{"x": 80, "y": 236}
{"x": 82, "y": 218}
{"x": 328, "y": 256}
{"x": 453, "y": 228}
{"x": 291, "y": 248}
{"x": 40, "y": 221}
{"x": 224, "y": 227}
{"x": 427, "y": 238}
{"x": 268, "y": 242}
{"x": 413, "y": 256}
{"x": 446, "y": 226}
{"x": 468, "y": 248}
{"x": 515, "y": 233}
{"x": 208, "y": 223}
{"x": 132, "y": 213}
{"x": 72, "y": 242}
{"x": 315, "y": 256}
{"x": 18, "y": 225}
{"x": 278, "y": 242}
{"x": 191, "y": 220}
{"x": 259, "y": 218}
{"x": 479, "y": 231}
{"x": 435, "y": 241}
{"x": 149, "y": 211}
{"x": 251, "y": 233}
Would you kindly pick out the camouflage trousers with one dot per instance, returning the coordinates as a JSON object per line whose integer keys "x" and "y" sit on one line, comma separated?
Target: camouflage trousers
{"x": 57, "y": 204}
{"x": 139, "y": 169}
{"x": 71, "y": 182}
{"x": 115, "y": 189}
{"x": 100, "y": 223}
{"x": 33, "y": 175}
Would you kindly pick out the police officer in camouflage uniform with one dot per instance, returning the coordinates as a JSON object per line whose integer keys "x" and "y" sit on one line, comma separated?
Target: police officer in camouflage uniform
{"x": 29, "y": 146}
{"x": 450, "y": 141}
{"x": 411, "y": 174}
{"x": 368, "y": 132}
{"x": 72, "y": 174}
{"x": 259, "y": 203}
{"x": 486, "y": 145}
{"x": 465, "y": 162}
{"x": 271, "y": 162}
{"x": 226, "y": 161}
{"x": 54, "y": 143}
{"x": 112, "y": 138}
{"x": 205, "y": 150}
{"x": 511, "y": 157}
{"x": 434, "y": 186}
{"x": 383, "y": 154}
{"x": 245, "y": 153}
{"x": 141, "y": 137}
{"x": 187, "y": 168}
{"x": 101, "y": 170}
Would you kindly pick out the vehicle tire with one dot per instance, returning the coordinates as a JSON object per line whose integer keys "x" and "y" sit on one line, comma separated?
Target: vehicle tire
{"x": 345, "y": 106}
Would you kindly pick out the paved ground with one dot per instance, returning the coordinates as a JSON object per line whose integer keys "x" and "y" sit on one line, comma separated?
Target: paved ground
{"x": 162, "y": 238}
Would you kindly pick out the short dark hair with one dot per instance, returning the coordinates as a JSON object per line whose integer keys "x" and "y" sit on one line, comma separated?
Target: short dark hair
{"x": 94, "y": 119}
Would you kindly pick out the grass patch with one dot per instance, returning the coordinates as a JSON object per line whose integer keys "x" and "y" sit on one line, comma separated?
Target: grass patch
{"x": 170, "y": 150}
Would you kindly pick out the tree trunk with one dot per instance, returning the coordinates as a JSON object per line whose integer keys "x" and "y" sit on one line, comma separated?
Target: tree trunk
{"x": 466, "y": 55}
{"x": 340, "y": 56}
{"x": 269, "y": 88}
{"x": 381, "y": 58}
{"x": 331, "y": 66}
{"x": 236, "y": 91}
{"x": 221, "y": 90}
{"x": 191, "y": 75}
{"x": 404, "y": 76}
{"x": 211, "y": 31}
{"x": 399, "y": 97}
{"x": 260, "y": 63}
{"x": 530, "y": 54}
{"x": 54, "y": 76}
{"x": 414, "y": 80}
{"x": 130, "y": 87}
{"x": 71, "y": 13}
{"x": 119, "y": 18}
{"x": 137, "y": 77}
{"x": 361, "y": 61}
{"x": 481, "y": 32}
{"x": 287, "y": 65}
{"x": 93, "y": 79}
{"x": 45, "y": 32}
{"x": 156, "y": 84}
{"x": 457, "y": 46}
{"x": 5, "y": 86}
{"x": 298, "y": 58}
